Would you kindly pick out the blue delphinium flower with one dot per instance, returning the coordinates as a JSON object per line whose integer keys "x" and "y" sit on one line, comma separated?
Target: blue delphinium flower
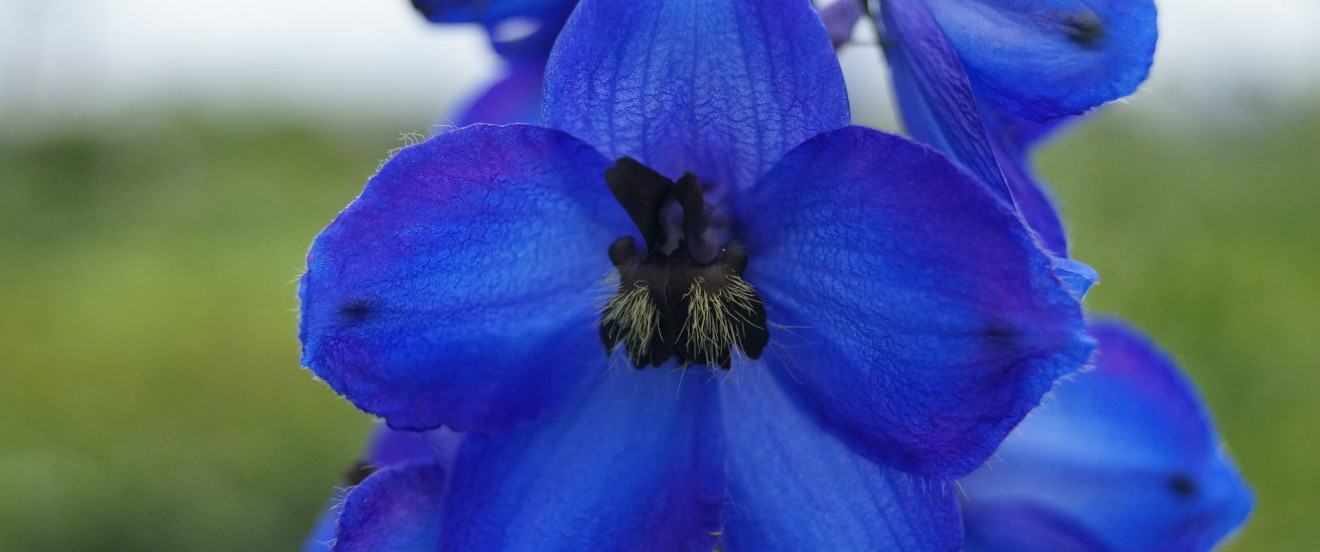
{"x": 828, "y": 322}
{"x": 1122, "y": 458}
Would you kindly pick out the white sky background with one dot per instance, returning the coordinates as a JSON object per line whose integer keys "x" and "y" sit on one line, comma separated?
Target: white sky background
{"x": 68, "y": 62}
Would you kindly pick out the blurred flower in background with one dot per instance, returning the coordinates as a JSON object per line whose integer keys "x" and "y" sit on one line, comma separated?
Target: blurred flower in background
{"x": 161, "y": 163}
{"x": 1122, "y": 457}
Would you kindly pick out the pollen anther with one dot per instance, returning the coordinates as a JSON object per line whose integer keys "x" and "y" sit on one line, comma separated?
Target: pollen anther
{"x": 632, "y": 318}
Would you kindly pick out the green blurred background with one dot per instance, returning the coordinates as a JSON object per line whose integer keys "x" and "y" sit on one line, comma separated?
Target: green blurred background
{"x": 150, "y": 394}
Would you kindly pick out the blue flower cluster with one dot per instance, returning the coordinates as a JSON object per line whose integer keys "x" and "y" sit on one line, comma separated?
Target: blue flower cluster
{"x": 696, "y": 308}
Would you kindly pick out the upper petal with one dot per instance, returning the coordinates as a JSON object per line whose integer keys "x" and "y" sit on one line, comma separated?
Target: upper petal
{"x": 633, "y": 465}
{"x": 1048, "y": 58}
{"x": 935, "y": 97}
{"x": 460, "y": 288}
{"x": 396, "y": 509}
{"x": 721, "y": 88}
{"x": 912, "y": 309}
{"x": 794, "y": 486}
{"x": 939, "y": 109}
{"x": 1126, "y": 451}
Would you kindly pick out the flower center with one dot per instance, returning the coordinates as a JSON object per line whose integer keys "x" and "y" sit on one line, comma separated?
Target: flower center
{"x": 684, "y": 295}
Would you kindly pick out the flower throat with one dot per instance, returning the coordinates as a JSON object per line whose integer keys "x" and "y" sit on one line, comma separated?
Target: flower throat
{"x": 682, "y": 297}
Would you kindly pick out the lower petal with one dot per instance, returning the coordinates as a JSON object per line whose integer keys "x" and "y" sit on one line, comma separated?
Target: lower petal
{"x": 794, "y": 486}
{"x": 635, "y": 465}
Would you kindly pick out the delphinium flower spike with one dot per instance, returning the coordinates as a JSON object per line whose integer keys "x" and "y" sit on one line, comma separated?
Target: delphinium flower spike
{"x": 701, "y": 155}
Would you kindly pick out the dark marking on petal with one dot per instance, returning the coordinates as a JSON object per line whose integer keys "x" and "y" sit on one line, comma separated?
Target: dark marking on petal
{"x": 1085, "y": 29}
{"x": 1183, "y": 485}
{"x": 355, "y": 311}
{"x": 1002, "y": 334}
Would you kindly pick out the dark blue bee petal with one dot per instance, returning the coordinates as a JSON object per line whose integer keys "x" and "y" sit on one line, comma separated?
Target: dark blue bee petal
{"x": 909, "y": 307}
{"x": 1126, "y": 452}
{"x": 1043, "y": 59}
{"x": 794, "y": 486}
{"x": 461, "y": 287}
{"x": 720, "y": 88}
{"x": 634, "y": 463}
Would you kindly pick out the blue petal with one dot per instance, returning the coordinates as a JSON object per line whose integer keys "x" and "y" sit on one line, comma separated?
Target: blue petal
{"x": 1076, "y": 277}
{"x": 910, "y": 308}
{"x": 1024, "y": 133}
{"x": 934, "y": 96}
{"x": 1023, "y": 528}
{"x": 394, "y": 510}
{"x": 1010, "y": 144}
{"x": 460, "y": 288}
{"x": 322, "y": 536}
{"x": 939, "y": 109}
{"x": 477, "y": 11}
{"x": 1126, "y": 451}
{"x": 517, "y": 28}
{"x": 515, "y": 98}
{"x": 1048, "y": 58}
{"x": 634, "y": 465}
{"x": 721, "y": 88}
{"x": 841, "y": 18}
{"x": 390, "y": 447}
{"x": 387, "y": 448}
{"x": 793, "y": 486}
